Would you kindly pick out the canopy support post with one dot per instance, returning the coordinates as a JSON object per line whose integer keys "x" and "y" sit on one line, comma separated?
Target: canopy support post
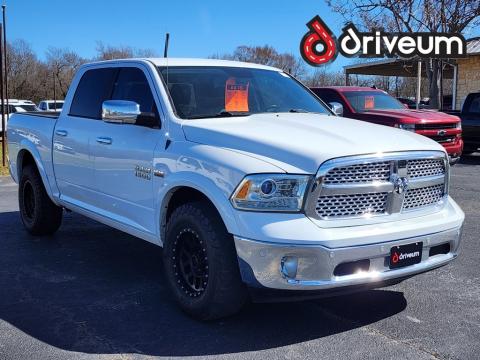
{"x": 419, "y": 83}
{"x": 454, "y": 87}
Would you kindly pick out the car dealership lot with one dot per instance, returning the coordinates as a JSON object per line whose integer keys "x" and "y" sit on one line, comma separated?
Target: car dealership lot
{"x": 92, "y": 291}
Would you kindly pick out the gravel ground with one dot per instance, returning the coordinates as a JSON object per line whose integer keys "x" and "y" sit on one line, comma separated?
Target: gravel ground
{"x": 93, "y": 292}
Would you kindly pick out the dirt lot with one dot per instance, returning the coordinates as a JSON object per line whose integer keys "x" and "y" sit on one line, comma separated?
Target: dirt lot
{"x": 94, "y": 292}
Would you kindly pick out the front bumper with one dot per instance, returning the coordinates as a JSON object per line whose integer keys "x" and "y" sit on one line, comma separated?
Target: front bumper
{"x": 454, "y": 150}
{"x": 311, "y": 267}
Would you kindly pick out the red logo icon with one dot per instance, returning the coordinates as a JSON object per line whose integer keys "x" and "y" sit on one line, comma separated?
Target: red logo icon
{"x": 395, "y": 258}
{"x": 319, "y": 34}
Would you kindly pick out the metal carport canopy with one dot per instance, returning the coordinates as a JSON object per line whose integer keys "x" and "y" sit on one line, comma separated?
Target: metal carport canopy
{"x": 402, "y": 68}
{"x": 392, "y": 67}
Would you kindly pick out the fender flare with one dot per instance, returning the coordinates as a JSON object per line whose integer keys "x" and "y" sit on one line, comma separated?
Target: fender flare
{"x": 204, "y": 185}
{"x": 29, "y": 147}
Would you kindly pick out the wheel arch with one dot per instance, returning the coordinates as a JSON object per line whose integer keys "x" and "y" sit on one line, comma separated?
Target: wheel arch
{"x": 26, "y": 157}
{"x": 184, "y": 193}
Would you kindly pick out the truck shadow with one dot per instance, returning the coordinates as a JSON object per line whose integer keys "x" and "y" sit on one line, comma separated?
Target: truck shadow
{"x": 473, "y": 159}
{"x": 93, "y": 289}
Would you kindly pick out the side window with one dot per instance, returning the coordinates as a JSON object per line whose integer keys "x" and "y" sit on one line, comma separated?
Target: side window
{"x": 334, "y": 96}
{"x": 322, "y": 94}
{"x": 132, "y": 85}
{"x": 94, "y": 88}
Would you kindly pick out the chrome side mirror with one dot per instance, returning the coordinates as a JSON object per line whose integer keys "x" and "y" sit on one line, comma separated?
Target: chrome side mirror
{"x": 120, "y": 111}
{"x": 337, "y": 108}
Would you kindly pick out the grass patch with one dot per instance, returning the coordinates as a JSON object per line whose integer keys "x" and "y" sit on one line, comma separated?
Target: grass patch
{"x": 3, "y": 169}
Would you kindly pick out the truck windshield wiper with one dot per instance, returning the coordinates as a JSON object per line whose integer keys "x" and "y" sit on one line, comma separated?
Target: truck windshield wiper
{"x": 220, "y": 114}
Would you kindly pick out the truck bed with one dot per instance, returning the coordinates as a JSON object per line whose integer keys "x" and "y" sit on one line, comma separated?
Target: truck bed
{"x": 33, "y": 131}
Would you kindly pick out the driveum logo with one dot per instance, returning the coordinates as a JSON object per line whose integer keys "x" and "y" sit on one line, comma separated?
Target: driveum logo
{"x": 402, "y": 256}
{"x": 319, "y": 45}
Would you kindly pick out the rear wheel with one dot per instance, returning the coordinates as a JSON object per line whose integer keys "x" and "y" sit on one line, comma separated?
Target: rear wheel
{"x": 201, "y": 263}
{"x": 39, "y": 214}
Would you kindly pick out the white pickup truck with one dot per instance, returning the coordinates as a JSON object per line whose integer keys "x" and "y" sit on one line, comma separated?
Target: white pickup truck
{"x": 254, "y": 188}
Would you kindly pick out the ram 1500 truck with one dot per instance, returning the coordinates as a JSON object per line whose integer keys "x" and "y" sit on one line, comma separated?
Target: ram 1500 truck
{"x": 254, "y": 188}
{"x": 376, "y": 106}
{"x": 470, "y": 116}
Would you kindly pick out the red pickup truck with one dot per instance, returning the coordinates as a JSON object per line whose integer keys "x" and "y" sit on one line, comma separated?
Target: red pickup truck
{"x": 376, "y": 106}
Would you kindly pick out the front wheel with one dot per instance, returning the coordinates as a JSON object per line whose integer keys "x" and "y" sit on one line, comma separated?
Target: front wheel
{"x": 201, "y": 263}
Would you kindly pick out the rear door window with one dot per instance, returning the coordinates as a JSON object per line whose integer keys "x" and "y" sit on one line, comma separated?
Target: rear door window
{"x": 94, "y": 88}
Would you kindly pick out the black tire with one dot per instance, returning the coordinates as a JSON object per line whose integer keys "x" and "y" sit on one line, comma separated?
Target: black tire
{"x": 39, "y": 214}
{"x": 209, "y": 287}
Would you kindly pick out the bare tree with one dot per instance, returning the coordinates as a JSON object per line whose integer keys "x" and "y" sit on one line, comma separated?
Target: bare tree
{"x": 452, "y": 16}
{"x": 266, "y": 55}
{"x": 323, "y": 76}
{"x": 24, "y": 70}
{"x": 62, "y": 65}
{"x": 108, "y": 52}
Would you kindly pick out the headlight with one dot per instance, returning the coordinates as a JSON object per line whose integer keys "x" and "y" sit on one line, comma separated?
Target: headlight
{"x": 271, "y": 192}
{"x": 408, "y": 127}
{"x": 459, "y": 125}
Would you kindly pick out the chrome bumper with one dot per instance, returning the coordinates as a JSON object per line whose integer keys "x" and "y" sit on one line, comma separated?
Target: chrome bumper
{"x": 311, "y": 267}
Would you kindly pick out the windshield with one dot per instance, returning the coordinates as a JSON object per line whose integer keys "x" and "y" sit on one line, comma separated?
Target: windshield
{"x": 203, "y": 92}
{"x": 51, "y": 106}
{"x": 28, "y": 107}
{"x": 372, "y": 100}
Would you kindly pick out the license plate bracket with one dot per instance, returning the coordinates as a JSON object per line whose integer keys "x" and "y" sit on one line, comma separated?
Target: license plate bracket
{"x": 405, "y": 255}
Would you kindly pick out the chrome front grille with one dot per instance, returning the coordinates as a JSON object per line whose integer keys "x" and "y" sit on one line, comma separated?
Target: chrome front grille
{"x": 366, "y": 186}
{"x": 351, "y": 205}
{"x": 417, "y": 198}
{"x": 425, "y": 167}
{"x": 359, "y": 173}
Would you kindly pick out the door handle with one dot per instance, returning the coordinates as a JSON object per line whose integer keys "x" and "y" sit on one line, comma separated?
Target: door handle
{"x": 104, "y": 140}
{"x": 61, "y": 132}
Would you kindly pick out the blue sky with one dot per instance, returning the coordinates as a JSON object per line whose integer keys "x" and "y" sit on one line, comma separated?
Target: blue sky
{"x": 197, "y": 28}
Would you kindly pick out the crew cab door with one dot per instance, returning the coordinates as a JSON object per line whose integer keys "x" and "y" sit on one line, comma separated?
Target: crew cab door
{"x": 123, "y": 156}
{"x": 72, "y": 158}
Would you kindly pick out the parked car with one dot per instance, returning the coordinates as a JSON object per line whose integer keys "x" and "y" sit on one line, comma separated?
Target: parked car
{"x": 21, "y": 106}
{"x": 470, "y": 115}
{"x": 14, "y": 106}
{"x": 446, "y": 105}
{"x": 251, "y": 184}
{"x": 411, "y": 104}
{"x": 376, "y": 106}
{"x": 51, "y": 105}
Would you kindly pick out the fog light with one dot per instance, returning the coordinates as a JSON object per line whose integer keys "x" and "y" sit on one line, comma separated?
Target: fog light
{"x": 288, "y": 267}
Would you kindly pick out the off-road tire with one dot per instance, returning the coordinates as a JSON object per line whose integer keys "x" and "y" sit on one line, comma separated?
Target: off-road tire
{"x": 222, "y": 293}
{"x": 39, "y": 214}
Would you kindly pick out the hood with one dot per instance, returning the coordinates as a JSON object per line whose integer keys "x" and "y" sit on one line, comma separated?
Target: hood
{"x": 416, "y": 116}
{"x": 301, "y": 142}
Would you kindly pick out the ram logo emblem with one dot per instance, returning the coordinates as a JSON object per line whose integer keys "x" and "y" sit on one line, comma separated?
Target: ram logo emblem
{"x": 400, "y": 185}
